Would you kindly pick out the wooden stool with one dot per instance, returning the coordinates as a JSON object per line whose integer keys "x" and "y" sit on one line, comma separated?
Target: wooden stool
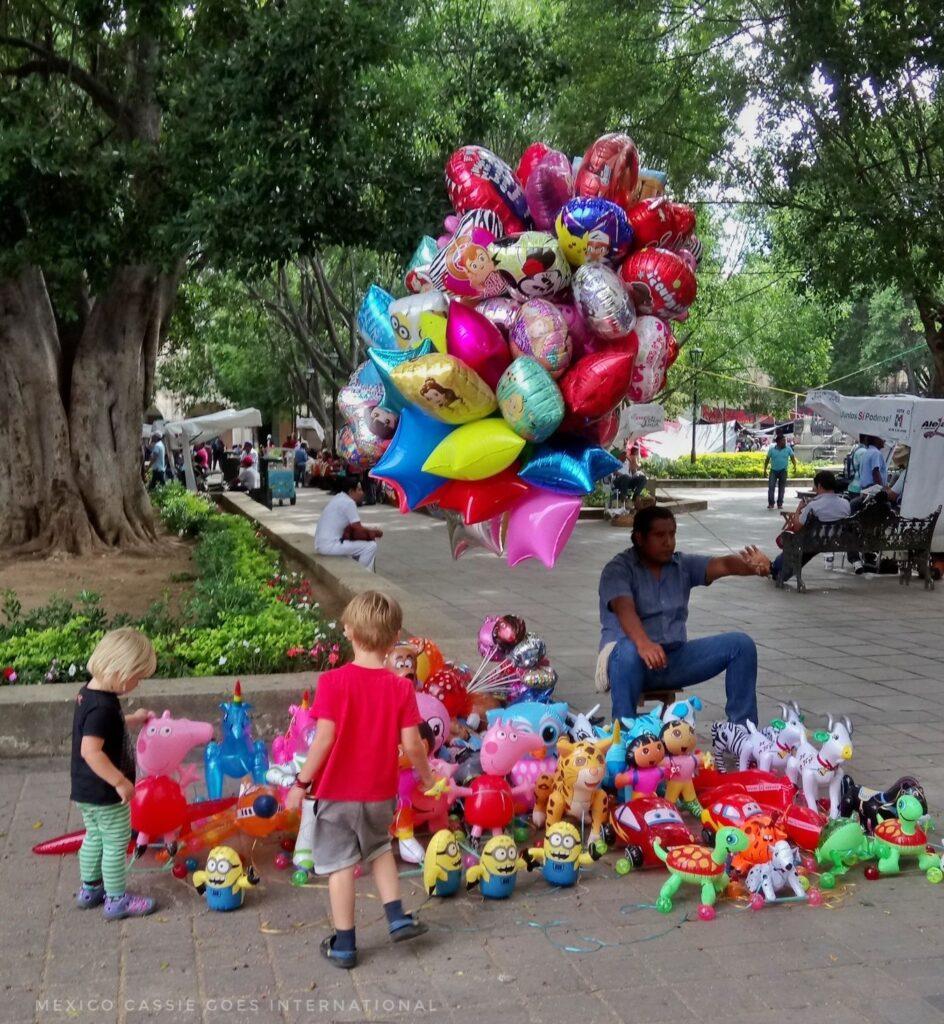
{"x": 659, "y": 696}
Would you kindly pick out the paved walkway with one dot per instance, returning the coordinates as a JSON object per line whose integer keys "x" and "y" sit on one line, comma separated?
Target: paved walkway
{"x": 866, "y": 647}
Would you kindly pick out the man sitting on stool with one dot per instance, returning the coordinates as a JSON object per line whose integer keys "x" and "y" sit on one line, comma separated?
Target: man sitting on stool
{"x": 340, "y": 531}
{"x": 644, "y": 594}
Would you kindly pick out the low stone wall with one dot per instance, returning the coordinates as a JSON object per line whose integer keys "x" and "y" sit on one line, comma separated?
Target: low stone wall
{"x": 754, "y": 481}
{"x": 37, "y": 720}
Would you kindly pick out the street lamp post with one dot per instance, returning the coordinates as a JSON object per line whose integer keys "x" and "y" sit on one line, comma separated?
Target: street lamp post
{"x": 309, "y": 373}
{"x": 694, "y": 357}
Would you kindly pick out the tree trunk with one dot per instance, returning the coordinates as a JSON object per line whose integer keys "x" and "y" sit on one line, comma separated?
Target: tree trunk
{"x": 931, "y": 311}
{"x": 71, "y": 429}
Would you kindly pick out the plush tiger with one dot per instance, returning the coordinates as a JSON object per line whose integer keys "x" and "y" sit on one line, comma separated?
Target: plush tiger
{"x": 575, "y": 789}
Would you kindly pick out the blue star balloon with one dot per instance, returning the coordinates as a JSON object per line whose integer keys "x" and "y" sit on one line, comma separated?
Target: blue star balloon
{"x": 402, "y": 463}
{"x": 366, "y": 374}
{"x": 385, "y": 361}
{"x": 571, "y": 468}
{"x": 373, "y": 319}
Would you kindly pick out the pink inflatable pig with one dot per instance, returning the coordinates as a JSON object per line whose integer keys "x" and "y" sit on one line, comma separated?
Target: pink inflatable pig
{"x": 163, "y": 744}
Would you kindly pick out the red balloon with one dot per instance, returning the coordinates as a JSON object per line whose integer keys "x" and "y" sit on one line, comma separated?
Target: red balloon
{"x": 476, "y": 179}
{"x": 158, "y": 806}
{"x": 479, "y": 500}
{"x": 652, "y": 221}
{"x": 660, "y": 282}
{"x": 596, "y": 383}
{"x": 684, "y": 220}
{"x": 610, "y": 170}
{"x": 530, "y": 158}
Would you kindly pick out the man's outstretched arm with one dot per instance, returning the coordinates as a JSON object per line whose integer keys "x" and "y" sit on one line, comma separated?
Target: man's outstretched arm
{"x": 750, "y": 561}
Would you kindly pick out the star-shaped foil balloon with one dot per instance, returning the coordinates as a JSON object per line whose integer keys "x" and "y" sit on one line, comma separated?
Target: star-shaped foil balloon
{"x": 401, "y": 465}
{"x": 479, "y": 500}
{"x": 486, "y": 535}
{"x": 373, "y": 319}
{"x": 385, "y": 361}
{"x": 540, "y": 525}
{"x": 572, "y": 467}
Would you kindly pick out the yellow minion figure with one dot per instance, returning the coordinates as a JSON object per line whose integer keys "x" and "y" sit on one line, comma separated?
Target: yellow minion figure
{"x": 497, "y": 869}
{"x": 442, "y": 865}
{"x": 561, "y": 856}
{"x": 223, "y": 881}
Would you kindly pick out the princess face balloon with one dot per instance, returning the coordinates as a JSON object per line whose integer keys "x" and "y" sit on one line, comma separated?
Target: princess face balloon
{"x": 540, "y": 331}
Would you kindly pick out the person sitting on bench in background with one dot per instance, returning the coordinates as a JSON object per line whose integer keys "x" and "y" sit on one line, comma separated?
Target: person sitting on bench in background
{"x": 827, "y": 507}
{"x": 340, "y": 531}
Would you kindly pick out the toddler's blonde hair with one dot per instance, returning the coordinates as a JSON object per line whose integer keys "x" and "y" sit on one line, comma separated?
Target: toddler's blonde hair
{"x": 121, "y": 654}
{"x": 374, "y": 621}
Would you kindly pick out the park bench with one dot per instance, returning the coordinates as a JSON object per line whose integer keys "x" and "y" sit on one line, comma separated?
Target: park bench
{"x": 875, "y": 528}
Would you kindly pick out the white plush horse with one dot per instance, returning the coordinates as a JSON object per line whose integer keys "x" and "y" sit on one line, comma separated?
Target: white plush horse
{"x": 814, "y": 770}
{"x": 778, "y": 873}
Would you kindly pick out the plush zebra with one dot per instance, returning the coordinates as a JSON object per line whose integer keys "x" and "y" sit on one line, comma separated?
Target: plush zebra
{"x": 768, "y": 748}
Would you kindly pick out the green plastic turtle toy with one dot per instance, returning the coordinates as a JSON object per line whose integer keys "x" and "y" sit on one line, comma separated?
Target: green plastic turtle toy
{"x": 699, "y": 865}
{"x": 901, "y": 837}
{"x": 842, "y": 843}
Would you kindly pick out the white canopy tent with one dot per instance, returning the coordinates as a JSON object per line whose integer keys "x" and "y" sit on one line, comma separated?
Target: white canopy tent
{"x": 184, "y": 433}
{"x": 917, "y": 422}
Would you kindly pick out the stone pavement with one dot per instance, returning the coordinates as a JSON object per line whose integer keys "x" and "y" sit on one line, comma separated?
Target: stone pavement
{"x": 866, "y": 647}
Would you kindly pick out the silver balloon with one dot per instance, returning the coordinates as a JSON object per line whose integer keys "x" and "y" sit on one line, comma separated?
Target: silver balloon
{"x": 603, "y": 302}
{"x": 529, "y": 652}
{"x": 487, "y": 534}
{"x": 499, "y": 311}
{"x": 540, "y": 679}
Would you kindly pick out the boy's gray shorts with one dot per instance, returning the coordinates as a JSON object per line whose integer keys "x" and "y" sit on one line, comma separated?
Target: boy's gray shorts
{"x": 348, "y": 832}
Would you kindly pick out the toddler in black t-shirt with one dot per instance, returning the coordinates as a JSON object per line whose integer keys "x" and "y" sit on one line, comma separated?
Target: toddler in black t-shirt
{"x": 103, "y": 770}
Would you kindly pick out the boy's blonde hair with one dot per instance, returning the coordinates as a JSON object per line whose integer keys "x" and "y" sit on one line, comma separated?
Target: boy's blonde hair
{"x": 374, "y": 621}
{"x": 121, "y": 654}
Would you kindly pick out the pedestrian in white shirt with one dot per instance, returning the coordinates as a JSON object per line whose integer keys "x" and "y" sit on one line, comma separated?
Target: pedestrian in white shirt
{"x": 339, "y": 530}
{"x": 250, "y": 451}
{"x": 827, "y": 506}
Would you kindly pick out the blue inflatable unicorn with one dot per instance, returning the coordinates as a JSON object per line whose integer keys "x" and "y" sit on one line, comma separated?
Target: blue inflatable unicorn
{"x": 237, "y": 754}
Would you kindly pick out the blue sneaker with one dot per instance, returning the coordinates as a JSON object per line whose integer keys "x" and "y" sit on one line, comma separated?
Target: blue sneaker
{"x": 406, "y": 927}
{"x": 90, "y": 896}
{"x": 345, "y": 959}
{"x": 120, "y": 907}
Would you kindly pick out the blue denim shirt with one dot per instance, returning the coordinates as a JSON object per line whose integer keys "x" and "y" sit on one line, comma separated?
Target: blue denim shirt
{"x": 661, "y": 603}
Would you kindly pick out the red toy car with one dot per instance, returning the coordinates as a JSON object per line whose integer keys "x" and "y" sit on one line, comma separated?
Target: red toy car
{"x": 727, "y": 805}
{"x": 637, "y": 823}
{"x": 773, "y": 792}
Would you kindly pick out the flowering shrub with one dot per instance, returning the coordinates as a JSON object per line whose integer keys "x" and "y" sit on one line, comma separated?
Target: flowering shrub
{"x": 246, "y": 613}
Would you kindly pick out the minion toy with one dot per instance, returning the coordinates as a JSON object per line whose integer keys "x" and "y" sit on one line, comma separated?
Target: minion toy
{"x": 560, "y": 858}
{"x": 223, "y": 881}
{"x": 497, "y": 869}
{"x": 442, "y": 865}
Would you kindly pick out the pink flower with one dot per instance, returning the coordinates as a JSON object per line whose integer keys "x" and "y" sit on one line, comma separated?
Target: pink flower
{"x": 333, "y": 658}
{"x": 9, "y": 674}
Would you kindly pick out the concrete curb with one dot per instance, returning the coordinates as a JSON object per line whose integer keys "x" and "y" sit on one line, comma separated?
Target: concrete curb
{"x": 37, "y": 720}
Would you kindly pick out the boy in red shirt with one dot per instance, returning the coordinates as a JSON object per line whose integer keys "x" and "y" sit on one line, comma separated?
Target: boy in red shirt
{"x": 364, "y": 714}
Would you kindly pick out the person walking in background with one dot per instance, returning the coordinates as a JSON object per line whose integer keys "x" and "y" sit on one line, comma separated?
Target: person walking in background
{"x": 778, "y": 457}
{"x": 301, "y": 463}
{"x": 217, "y": 448}
{"x": 157, "y": 462}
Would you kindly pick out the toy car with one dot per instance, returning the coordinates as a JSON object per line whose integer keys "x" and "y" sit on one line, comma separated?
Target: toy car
{"x": 728, "y": 805}
{"x": 774, "y": 792}
{"x": 636, "y": 824}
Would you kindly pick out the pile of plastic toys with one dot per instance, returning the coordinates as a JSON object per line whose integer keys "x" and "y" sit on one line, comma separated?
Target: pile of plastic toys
{"x": 529, "y": 785}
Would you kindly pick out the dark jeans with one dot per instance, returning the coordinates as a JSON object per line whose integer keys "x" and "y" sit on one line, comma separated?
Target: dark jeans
{"x": 778, "y": 479}
{"x": 776, "y": 567}
{"x": 300, "y": 474}
{"x": 157, "y": 479}
{"x": 692, "y": 662}
{"x": 625, "y": 483}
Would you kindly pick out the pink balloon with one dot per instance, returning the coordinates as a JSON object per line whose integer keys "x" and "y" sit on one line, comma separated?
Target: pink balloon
{"x": 549, "y": 186}
{"x": 472, "y": 338}
{"x": 487, "y": 646}
{"x": 540, "y": 525}
{"x": 576, "y": 328}
{"x": 652, "y": 355}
